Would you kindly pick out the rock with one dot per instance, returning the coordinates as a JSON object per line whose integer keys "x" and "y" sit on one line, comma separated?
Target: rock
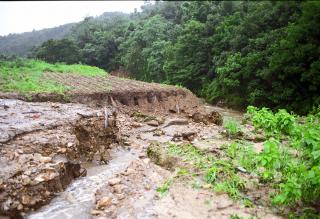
{"x": 45, "y": 159}
{"x": 207, "y": 118}
{"x": 156, "y": 152}
{"x": 158, "y": 132}
{"x": 176, "y": 122}
{"x": 118, "y": 188}
{"x": 241, "y": 169}
{"x": 136, "y": 125}
{"x": 25, "y": 199}
{"x": 128, "y": 172}
{"x": 45, "y": 176}
{"x": 142, "y": 155}
{"x": 207, "y": 186}
{"x": 96, "y": 212}
{"x": 114, "y": 181}
{"x": 70, "y": 144}
{"x": 189, "y": 135}
{"x": 62, "y": 150}
{"x": 115, "y": 202}
{"x": 153, "y": 123}
{"x": 120, "y": 196}
{"x": 147, "y": 187}
{"x": 104, "y": 202}
{"x": 20, "y": 207}
{"x": 259, "y": 137}
{"x": 224, "y": 203}
{"x": 146, "y": 160}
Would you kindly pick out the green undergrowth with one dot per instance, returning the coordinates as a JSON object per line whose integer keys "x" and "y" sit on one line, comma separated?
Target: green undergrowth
{"x": 25, "y": 75}
{"x": 288, "y": 166}
{"x": 220, "y": 173}
{"x": 291, "y": 157}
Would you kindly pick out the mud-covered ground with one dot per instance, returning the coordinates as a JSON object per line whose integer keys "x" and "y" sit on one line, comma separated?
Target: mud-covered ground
{"x": 108, "y": 158}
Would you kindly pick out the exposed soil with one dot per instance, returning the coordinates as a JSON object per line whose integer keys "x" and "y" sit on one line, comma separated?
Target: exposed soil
{"x": 118, "y": 92}
{"x": 89, "y": 158}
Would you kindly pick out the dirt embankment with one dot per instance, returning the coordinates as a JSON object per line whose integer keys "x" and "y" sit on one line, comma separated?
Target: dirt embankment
{"x": 42, "y": 145}
{"x": 117, "y": 92}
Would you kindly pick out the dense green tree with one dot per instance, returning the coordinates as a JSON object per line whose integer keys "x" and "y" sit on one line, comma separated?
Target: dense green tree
{"x": 64, "y": 50}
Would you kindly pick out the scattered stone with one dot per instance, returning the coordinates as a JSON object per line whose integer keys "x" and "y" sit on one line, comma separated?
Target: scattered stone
{"x": 207, "y": 186}
{"x": 147, "y": 187}
{"x": 115, "y": 201}
{"x": 128, "y": 172}
{"x": 224, "y": 203}
{"x": 25, "y": 199}
{"x": 120, "y": 196}
{"x": 142, "y": 155}
{"x": 70, "y": 144}
{"x": 118, "y": 188}
{"x": 104, "y": 202}
{"x": 207, "y": 118}
{"x": 45, "y": 159}
{"x": 176, "y": 122}
{"x": 241, "y": 169}
{"x": 114, "y": 181}
{"x": 146, "y": 160}
{"x": 62, "y": 150}
{"x": 136, "y": 125}
{"x": 96, "y": 212}
{"x": 158, "y": 132}
{"x": 153, "y": 123}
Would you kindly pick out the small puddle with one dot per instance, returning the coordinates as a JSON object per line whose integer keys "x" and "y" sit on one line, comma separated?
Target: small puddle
{"x": 78, "y": 199}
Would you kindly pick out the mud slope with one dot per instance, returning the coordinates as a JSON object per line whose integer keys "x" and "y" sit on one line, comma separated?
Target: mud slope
{"x": 100, "y": 91}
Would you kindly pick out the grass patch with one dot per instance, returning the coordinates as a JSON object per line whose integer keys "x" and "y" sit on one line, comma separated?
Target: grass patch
{"x": 24, "y": 75}
{"x": 164, "y": 188}
{"x": 232, "y": 127}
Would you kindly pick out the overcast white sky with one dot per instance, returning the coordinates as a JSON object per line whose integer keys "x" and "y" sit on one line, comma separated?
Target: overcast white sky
{"x": 18, "y": 17}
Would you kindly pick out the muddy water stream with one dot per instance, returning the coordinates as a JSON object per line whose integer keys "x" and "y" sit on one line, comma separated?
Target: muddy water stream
{"x": 77, "y": 200}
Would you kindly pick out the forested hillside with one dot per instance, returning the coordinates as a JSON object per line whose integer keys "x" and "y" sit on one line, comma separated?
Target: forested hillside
{"x": 22, "y": 44}
{"x": 239, "y": 53}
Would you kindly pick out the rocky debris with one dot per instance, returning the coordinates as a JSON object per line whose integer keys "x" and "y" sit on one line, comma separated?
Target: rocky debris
{"x": 133, "y": 196}
{"x": 207, "y": 118}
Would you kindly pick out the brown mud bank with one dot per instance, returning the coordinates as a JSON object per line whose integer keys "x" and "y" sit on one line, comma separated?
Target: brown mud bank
{"x": 42, "y": 146}
{"x": 100, "y": 91}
